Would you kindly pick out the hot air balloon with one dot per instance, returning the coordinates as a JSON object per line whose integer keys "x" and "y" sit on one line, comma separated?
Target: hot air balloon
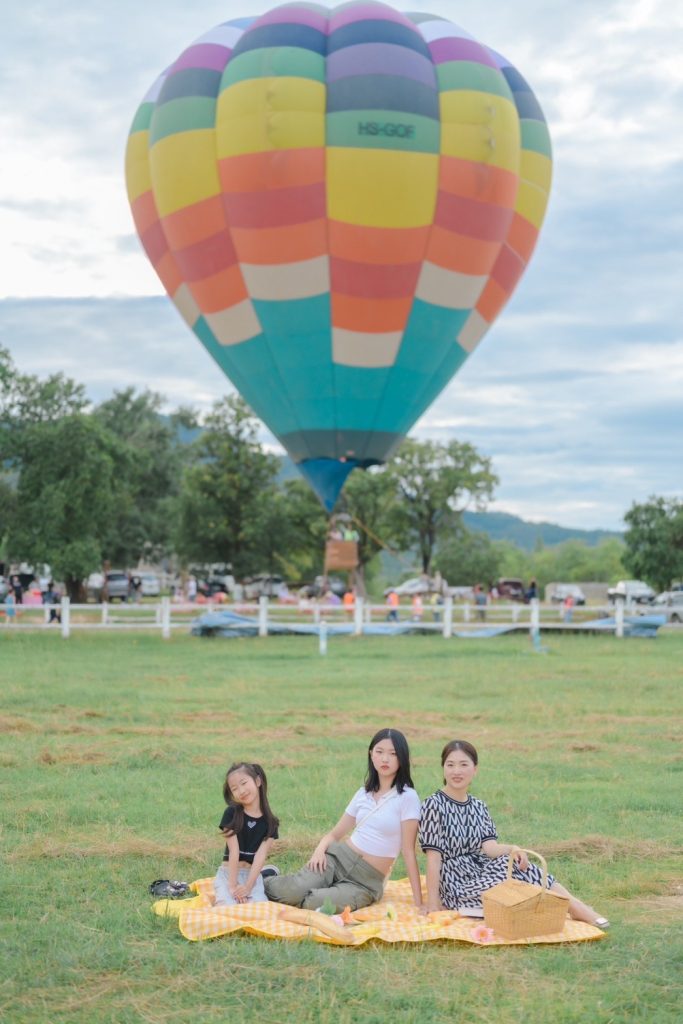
{"x": 339, "y": 203}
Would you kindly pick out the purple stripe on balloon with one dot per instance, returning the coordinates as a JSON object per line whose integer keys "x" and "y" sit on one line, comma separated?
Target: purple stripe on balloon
{"x": 501, "y": 61}
{"x": 352, "y": 13}
{"x": 204, "y": 55}
{"x": 443, "y": 50}
{"x": 380, "y": 58}
{"x": 293, "y": 14}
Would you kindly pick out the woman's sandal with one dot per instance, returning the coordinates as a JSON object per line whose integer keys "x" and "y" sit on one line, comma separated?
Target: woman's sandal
{"x": 602, "y": 923}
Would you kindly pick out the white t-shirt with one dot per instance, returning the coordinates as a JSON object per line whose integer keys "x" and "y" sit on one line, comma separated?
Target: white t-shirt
{"x": 380, "y": 834}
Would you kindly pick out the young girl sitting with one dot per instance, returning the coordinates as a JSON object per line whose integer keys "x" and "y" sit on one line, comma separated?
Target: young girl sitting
{"x": 382, "y": 818}
{"x": 249, "y": 827}
{"x": 464, "y": 857}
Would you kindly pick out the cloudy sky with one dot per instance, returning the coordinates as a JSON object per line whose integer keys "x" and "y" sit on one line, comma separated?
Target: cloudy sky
{"x": 576, "y": 393}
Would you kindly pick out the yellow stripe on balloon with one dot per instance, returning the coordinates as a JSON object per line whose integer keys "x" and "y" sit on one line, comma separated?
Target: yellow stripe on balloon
{"x": 138, "y": 178}
{"x": 270, "y": 113}
{"x": 536, "y": 168}
{"x": 481, "y": 127}
{"x": 184, "y": 170}
{"x": 531, "y": 203}
{"x": 381, "y": 188}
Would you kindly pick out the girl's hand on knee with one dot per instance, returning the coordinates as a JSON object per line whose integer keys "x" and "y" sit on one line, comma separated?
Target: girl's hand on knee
{"x": 241, "y": 893}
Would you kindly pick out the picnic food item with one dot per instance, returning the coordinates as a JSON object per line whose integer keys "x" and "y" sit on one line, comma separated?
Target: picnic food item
{"x": 519, "y": 910}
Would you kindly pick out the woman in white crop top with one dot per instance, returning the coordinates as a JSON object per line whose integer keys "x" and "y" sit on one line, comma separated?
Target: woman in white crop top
{"x": 350, "y": 864}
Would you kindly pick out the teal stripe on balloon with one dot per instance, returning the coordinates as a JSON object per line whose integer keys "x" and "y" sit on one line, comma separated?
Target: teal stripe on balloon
{"x": 271, "y": 61}
{"x": 250, "y": 368}
{"x": 466, "y": 74}
{"x": 294, "y": 316}
{"x": 143, "y": 118}
{"x": 535, "y": 136}
{"x": 183, "y": 115}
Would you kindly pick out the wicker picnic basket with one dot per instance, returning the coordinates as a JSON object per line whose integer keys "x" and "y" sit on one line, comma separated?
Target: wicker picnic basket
{"x": 519, "y": 910}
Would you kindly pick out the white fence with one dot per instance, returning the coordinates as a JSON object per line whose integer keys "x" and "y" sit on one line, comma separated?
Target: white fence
{"x": 166, "y": 616}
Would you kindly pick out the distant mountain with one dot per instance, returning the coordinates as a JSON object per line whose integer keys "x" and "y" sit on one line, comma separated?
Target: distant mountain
{"x": 503, "y": 526}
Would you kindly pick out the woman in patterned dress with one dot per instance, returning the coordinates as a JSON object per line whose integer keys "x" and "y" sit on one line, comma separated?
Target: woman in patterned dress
{"x": 464, "y": 857}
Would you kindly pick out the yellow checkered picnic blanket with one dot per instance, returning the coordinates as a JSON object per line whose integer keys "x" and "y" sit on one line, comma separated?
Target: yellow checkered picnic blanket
{"x": 394, "y": 919}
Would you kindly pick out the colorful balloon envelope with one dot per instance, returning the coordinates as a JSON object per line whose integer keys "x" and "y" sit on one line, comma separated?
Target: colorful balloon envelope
{"x": 339, "y": 203}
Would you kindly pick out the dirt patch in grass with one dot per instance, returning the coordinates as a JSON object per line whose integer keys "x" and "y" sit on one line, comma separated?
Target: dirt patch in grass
{"x": 11, "y": 723}
{"x": 74, "y": 757}
{"x": 193, "y": 848}
{"x": 606, "y": 848}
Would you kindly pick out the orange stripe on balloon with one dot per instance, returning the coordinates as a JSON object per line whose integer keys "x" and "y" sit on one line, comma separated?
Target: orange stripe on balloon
{"x": 220, "y": 291}
{"x": 168, "y": 272}
{"x": 483, "y": 182}
{"x": 275, "y": 168}
{"x": 492, "y": 300}
{"x": 281, "y": 245}
{"x": 377, "y": 245}
{"x": 144, "y": 212}
{"x": 373, "y": 315}
{"x": 458, "y": 252}
{"x": 522, "y": 237}
{"x": 194, "y": 223}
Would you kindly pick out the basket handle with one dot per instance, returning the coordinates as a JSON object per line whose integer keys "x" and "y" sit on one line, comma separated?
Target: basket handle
{"x": 544, "y": 866}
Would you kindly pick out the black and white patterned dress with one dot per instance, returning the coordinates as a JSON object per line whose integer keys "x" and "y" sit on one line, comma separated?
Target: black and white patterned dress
{"x": 457, "y": 830}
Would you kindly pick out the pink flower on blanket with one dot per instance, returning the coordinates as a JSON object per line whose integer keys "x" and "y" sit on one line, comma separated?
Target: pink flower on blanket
{"x": 483, "y": 934}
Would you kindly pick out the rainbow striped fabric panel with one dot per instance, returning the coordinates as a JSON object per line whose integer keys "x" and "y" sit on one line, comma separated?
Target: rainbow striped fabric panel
{"x": 339, "y": 202}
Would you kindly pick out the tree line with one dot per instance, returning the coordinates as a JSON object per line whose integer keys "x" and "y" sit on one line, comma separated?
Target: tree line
{"x": 119, "y": 482}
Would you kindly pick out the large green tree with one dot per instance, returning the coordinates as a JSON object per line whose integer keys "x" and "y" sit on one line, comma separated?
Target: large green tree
{"x": 467, "y": 558}
{"x": 654, "y": 541}
{"x": 142, "y": 525}
{"x": 434, "y": 484}
{"x": 223, "y": 490}
{"x": 67, "y": 491}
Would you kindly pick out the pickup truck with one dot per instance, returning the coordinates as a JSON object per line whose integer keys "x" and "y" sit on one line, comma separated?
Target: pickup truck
{"x": 634, "y": 591}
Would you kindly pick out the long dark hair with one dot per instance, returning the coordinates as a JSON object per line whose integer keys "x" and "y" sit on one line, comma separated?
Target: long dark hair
{"x": 463, "y": 745}
{"x": 403, "y": 778}
{"x": 256, "y": 772}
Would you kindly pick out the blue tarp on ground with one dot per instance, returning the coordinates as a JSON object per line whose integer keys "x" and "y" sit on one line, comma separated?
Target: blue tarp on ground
{"x": 230, "y": 624}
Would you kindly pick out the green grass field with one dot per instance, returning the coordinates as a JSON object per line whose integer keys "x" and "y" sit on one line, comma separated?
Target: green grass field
{"x": 113, "y": 750}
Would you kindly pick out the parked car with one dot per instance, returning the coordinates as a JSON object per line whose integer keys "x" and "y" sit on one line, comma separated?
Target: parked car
{"x": 116, "y": 586}
{"x": 321, "y": 584}
{"x": 561, "y": 591}
{"x": 262, "y": 585}
{"x": 511, "y": 589}
{"x": 670, "y": 603}
{"x": 150, "y": 585}
{"x": 631, "y": 590}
